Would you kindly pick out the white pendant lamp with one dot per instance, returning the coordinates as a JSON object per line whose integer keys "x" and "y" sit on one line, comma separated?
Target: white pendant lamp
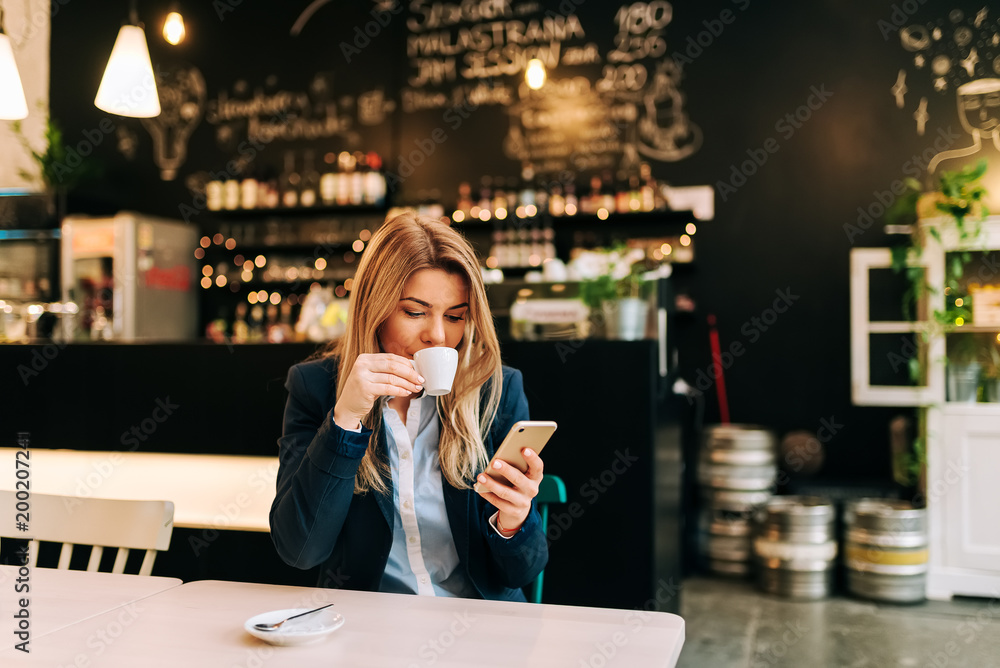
{"x": 13, "y": 106}
{"x": 129, "y": 85}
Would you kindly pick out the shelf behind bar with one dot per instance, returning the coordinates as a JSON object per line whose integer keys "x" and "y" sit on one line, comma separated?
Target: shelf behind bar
{"x": 320, "y": 212}
{"x": 590, "y": 221}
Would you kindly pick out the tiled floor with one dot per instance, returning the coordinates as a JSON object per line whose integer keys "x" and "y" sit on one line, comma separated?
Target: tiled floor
{"x": 731, "y": 624}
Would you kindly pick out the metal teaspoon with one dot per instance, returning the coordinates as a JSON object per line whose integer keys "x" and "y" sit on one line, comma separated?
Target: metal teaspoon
{"x": 274, "y": 627}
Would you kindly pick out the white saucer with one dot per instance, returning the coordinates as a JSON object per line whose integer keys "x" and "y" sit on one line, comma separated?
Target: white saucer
{"x": 309, "y": 629}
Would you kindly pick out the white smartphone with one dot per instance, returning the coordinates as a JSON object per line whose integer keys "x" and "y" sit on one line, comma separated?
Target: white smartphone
{"x": 532, "y": 434}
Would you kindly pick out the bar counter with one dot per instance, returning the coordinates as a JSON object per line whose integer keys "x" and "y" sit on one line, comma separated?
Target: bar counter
{"x": 615, "y": 543}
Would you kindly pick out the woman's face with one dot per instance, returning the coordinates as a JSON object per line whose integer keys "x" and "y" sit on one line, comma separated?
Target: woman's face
{"x": 431, "y": 313}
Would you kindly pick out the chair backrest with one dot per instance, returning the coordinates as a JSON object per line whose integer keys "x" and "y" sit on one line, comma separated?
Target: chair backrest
{"x": 550, "y": 490}
{"x": 100, "y": 523}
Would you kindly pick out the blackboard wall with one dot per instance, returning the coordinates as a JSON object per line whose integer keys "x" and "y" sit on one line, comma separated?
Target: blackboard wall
{"x": 794, "y": 103}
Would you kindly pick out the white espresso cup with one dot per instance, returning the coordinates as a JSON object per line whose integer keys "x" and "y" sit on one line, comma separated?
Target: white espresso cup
{"x": 437, "y": 366}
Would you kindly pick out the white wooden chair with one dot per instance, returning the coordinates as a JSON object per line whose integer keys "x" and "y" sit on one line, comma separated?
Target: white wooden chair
{"x": 100, "y": 523}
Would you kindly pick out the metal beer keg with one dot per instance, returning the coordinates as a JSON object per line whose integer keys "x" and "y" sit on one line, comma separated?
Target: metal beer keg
{"x": 794, "y": 546}
{"x": 737, "y": 472}
{"x": 727, "y": 545}
{"x": 886, "y": 550}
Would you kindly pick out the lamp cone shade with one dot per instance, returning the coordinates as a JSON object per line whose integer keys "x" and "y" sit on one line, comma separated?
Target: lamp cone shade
{"x": 13, "y": 106}
{"x": 129, "y": 85}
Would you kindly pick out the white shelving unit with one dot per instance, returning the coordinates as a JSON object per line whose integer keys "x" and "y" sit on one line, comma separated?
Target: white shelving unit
{"x": 963, "y": 439}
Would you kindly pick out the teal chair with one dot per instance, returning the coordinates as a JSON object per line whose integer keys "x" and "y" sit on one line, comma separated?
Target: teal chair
{"x": 551, "y": 490}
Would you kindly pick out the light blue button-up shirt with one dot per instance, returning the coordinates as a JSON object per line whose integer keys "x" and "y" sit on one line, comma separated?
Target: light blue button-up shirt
{"x": 423, "y": 558}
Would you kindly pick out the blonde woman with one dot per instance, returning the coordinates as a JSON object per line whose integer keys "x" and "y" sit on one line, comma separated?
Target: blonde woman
{"x": 375, "y": 480}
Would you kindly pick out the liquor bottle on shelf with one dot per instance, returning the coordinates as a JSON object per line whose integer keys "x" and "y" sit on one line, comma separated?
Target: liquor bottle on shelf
{"x": 548, "y": 245}
{"x": 485, "y": 203}
{"x": 512, "y": 256}
{"x": 592, "y": 201}
{"x": 607, "y": 201}
{"x": 497, "y": 250}
{"x": 537, "y": 254}
{"x": 215, "y": 331}
{"x": 241, "y": 331}
{"x": 622, "y": 195}
{"x": 557, "y": 203}
{"x": 264, "y": 188}
{"x": 526, "y": 197}
{"x": 255, "y": 325}
{"x": 375, "y": 185}
{"x": 279, "y": 330}
{"x": 647, "y": 188}
{"x": 464, "y": 203}
{"x": 523, "y": 248}
{"x": 499, "y": 204}
{"x": 345, "y": 164}
{"x": 634, "y": 193}
{"x": 282, "y": 332}
{"x": 310, "y": 179}
{"x": 249, "y": 191}
{"x": 541, "y": 198}
{"x": 660, "y": 201}
{"x": 214, "y": 199}
{"x": 231, "y": 194}
{"x": 330, "y": 181}
{"x": 289, "y": 182}
{"x": 572, "y": 205}
{"x": 358, "y": 178}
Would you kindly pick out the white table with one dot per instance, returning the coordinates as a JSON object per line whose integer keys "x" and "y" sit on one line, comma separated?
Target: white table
{"x": 208, "y": 491}
{"x": 201, "y": 624}
{"x": 58, "y": 599}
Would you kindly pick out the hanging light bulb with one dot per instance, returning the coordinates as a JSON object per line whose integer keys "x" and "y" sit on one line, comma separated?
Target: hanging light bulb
{"x": 534, "y": 74}
{"x": 129, "y": 85}
{"x": 173, "y": 27}
{"x": 13, "y": 106}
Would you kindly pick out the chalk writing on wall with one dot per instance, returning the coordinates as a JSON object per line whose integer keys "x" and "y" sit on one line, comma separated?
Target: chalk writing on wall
{"x": 606, "y": 104}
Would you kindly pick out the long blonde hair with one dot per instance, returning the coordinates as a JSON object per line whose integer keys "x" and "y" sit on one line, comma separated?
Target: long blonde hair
{"x": 406, "y": 244}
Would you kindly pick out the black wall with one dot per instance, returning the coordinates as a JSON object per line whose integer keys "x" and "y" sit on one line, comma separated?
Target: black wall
{"x": 785, "y": 230}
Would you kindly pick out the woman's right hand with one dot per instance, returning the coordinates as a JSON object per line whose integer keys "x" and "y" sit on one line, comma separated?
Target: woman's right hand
{"x": 372, "y": 376}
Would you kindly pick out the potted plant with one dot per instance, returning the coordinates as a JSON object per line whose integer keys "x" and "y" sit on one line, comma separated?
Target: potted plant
{"x": 57, "y": 173}
{"x": 614, "y": 287}
{"x": 959, "y": 196}
{"x": 958, "y": 200}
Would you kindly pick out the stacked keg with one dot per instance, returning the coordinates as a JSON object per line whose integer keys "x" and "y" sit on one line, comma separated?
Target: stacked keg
{"x": 737, "y": 471}
{"x": 795, "y": 546}
{"x": 886, "y": 550}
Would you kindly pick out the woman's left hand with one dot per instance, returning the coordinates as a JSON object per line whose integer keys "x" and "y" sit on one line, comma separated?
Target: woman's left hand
{"x": 513, "y": 500}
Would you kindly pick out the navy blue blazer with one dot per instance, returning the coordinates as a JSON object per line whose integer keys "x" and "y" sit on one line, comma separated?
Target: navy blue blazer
{"x": 317, "y": 519}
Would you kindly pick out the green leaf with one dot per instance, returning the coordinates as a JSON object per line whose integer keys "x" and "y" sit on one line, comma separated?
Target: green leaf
{"x": 957, "y": 266}
{"x": 899, "y": 256}
{"x": 974, "y": 172}
{"x": 903, "y": 210}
